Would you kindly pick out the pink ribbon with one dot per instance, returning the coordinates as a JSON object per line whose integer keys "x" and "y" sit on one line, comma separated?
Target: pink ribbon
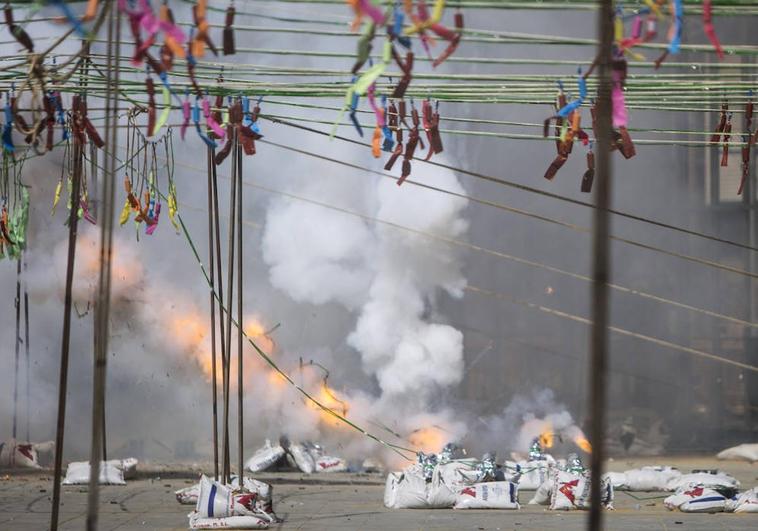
{"x": 372, "y": 11}
{"x": 150, "y": 229}
{"x": 210, "y": 121}
{"x": 186, "y": 115}
{"x": 370, "y": 94}
{"x": 620, "y": 117}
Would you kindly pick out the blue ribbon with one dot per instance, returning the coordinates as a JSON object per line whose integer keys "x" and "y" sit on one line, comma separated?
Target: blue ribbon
{"x": 354, "y": 110}
{"x": 575, "y": 104}
{"x": 676, "y": 41}
{"x": 8, "y": 128}
{"x": 389, "y": 142}
{"x": 71, "y": 17}
{"x": 196, "y": 118}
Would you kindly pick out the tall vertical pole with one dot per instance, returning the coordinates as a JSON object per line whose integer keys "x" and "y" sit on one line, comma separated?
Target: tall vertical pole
{"x": 26, "y": 348}
{"x": 211, "y": 266}
{"x": 17, "y": 303}
{"x": 230, "y": 288}
{"x": 73, "y": 222}
{"x": 220, "y": 279}
{"x": 103, "y": 300}
{"x": 601, "y": 261}
{"x": 240, "y": 389}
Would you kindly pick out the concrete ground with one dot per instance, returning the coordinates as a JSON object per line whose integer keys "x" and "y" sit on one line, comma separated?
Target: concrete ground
{"x": 343, "y": 502}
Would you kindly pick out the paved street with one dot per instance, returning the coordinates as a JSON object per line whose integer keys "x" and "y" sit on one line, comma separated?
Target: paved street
{"x": 341, "y": 502}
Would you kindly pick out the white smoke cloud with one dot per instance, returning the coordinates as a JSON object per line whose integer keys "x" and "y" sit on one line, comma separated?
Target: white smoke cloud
{"x": 389, "y": 277}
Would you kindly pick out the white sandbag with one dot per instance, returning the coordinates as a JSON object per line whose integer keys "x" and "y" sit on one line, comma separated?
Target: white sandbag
{"x": 302, "y": 458}
{"x": 406, "y": 490}
{"x": 447, "y": 479}
{"x": 570, "y": 491}
{"x": 18, "y": 454}
{"x": 742, "y": 452}
{"x": 129, "y": 467}
{"x": 702, "y": 478}
{"x": 746, "y": 502}
{"x": 217, "y": 500}
{"x": 327, "y": 463}
{"x": 491, "y": 495}
{"x": 647, "y": 478}
{"x": 264, "y": 457}
{"x": 264, "y": 503}
{"x": 543, "y": 493}
{"x": 696, "y": 500}
{"x": 111, "y": 472}
{"x": 441, "y": 490}
{"x": 390, "y": 489}
{"x": 533, "y": 474}
{"x": 231, "y": 522}
{"x": 617, "y": 479}
{"x": 188, "y": 495}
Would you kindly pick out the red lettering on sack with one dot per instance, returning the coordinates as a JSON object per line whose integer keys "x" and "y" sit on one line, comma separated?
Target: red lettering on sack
{"x": 567, "y": 489}
{"x": 26, "y": 451}
{"x": 247, "y": 501}
{"x": 694, "y": 493}
{"x": 469, "y": 492}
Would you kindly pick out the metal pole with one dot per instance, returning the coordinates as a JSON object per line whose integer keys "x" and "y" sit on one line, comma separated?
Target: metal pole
{"x": 601, "y": 261}
{"x": 26, "y": 348}
{"x": 220, "y": 279}
{"x": 240, "y": 390}
{"x": 73, "y": 222}
{"x": 17, "y": 304}
{"x": 211, "y": 265}
{"x": 230, "y": 288}
{"x": 103, "y": 301}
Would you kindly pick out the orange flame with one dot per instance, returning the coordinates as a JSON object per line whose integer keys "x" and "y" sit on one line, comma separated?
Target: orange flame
{"x": 427, "y": 440}
{"x": 583, "y": 443}
{"x": 257, "y": 332}
{"x": 547, "y": 439}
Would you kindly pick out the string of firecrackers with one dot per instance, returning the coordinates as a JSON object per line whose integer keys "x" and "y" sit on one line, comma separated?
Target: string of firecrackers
{"x": 568, "y": 117}
{"x": 389, "y": 115}
{"x": 14, "y": 207}
{"x": 146, "y": 26}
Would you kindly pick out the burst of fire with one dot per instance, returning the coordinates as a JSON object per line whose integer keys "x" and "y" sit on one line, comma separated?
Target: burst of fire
{"x": 584, "y": 444}
{"x": 276, "y": 379}
{"x": 331, "y": 399}
{"x": 126, "y": 270}
{"x": 257, "y": 332}
{"x": 547, "y": 438}
{"x": 428, "y": 440}
{"x": 189, "y": 330}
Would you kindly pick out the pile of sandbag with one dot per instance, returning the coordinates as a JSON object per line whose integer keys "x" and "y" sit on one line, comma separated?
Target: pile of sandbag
{"x": 742, "y": 452}
{"x": 567, "y": 490}
{"x": 112, "y": 472}
{"x": 15, "y": 453}
{"x": 306, "y": 457}
{"x": 700, "y": 499}
{"x": 434, "y": 483}
{"x": 229, "y": 507}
